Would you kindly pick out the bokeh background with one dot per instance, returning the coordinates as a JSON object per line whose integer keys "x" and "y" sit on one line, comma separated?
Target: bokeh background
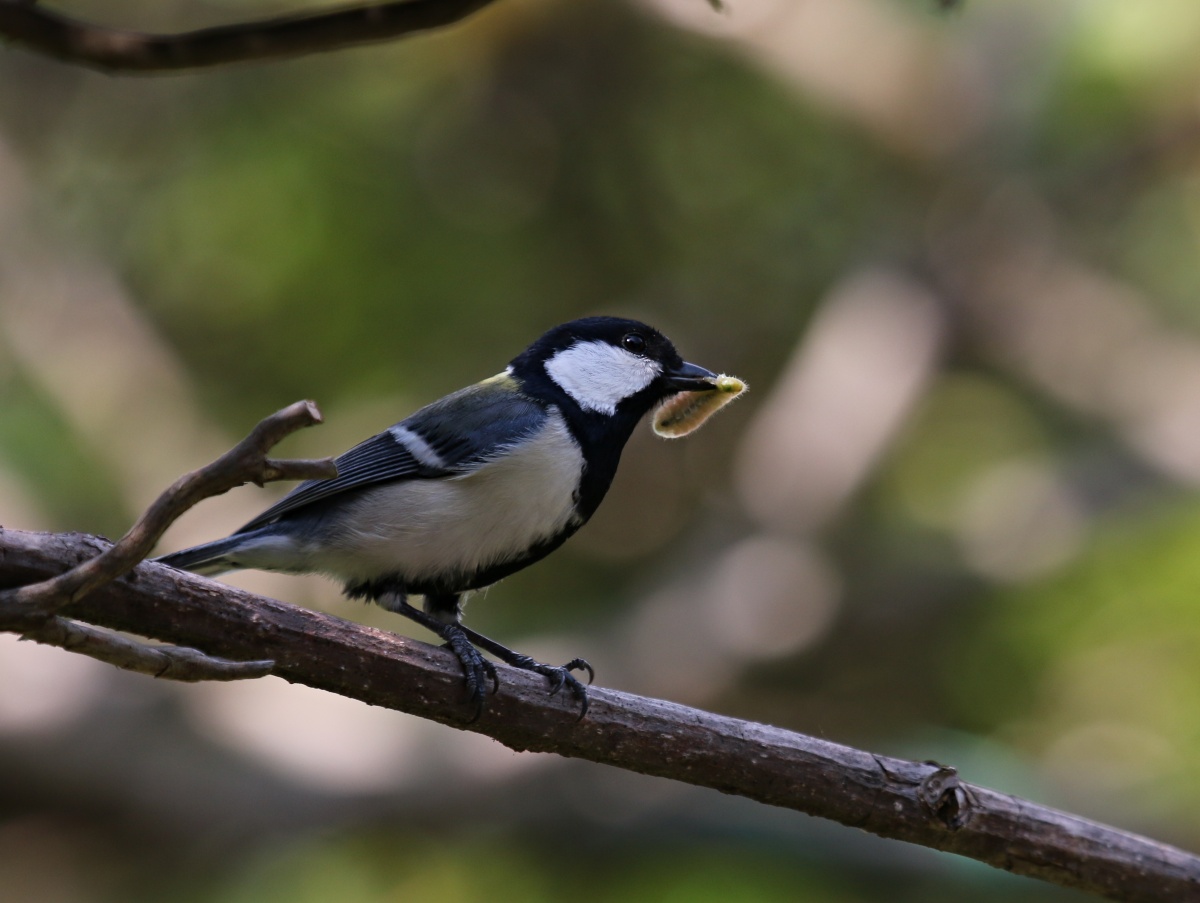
{"x": 954, "y": 254}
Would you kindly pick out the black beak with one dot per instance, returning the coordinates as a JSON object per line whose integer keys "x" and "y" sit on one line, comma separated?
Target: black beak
{"x": 690, "y": 378}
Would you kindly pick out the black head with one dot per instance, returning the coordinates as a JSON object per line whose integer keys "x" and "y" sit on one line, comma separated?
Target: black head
{"x": 607, "y": 366}
{"x": 604, "y": 374}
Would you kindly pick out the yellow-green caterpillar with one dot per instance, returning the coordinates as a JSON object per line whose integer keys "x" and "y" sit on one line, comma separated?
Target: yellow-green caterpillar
{"x": 686, "y": 412}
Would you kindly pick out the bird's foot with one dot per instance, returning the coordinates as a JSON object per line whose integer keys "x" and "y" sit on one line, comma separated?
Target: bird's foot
{"x": 465, "y": 643}
{"x": 559, "y": 676}
{"x": 477, "y": 670}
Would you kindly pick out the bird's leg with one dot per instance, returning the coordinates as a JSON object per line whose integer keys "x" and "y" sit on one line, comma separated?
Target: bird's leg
{"x": 558, "y": 675}
{"x": 441, "y": 617}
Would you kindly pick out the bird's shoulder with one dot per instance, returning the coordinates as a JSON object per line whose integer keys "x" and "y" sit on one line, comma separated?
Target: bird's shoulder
{"x": 477, "y": 423}
{"x": 452, "y": 436}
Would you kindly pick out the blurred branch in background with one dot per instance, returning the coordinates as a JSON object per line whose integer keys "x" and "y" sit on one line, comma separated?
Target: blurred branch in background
{"x": 922, "y": 803}
{"x": 115, "y": 50}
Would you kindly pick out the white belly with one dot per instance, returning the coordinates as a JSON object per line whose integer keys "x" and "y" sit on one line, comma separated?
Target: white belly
{"x": 424, "y": 528}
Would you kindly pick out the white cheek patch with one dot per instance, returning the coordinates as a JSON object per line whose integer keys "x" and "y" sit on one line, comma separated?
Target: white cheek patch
{"x": 599, "y": 376}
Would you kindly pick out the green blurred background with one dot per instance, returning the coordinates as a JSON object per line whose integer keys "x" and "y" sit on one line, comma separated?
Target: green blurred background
{"x": 955, "y": 256}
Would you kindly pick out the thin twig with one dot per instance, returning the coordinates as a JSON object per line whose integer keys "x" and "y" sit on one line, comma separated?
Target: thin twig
{"x": 119, "y": 50}
{"x": 918, "y": 802}
{"x": 169, "y": 662}
{"x": 247, "y": 462}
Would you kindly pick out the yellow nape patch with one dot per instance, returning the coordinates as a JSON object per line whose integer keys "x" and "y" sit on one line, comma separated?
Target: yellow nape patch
{"x": 502, "y": 378}
{"x": 686, "y": 412}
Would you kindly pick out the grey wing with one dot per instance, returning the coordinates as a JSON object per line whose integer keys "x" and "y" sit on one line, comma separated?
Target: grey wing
{"x": 452, "y": 436}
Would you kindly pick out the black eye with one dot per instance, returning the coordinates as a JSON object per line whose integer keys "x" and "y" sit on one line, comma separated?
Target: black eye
{"x": 634, "y": 343}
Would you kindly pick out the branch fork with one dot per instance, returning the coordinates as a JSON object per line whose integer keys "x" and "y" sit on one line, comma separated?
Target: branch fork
{"x": 33, "y": 610}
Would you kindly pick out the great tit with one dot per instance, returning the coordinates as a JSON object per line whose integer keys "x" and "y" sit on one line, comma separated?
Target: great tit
{"x": 472, "y": 488}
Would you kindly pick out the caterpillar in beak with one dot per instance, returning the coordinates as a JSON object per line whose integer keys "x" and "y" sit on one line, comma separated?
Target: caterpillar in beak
{"x": 686, "y": 412}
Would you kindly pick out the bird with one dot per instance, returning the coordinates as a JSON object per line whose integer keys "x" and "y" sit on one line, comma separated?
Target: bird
{"x": 472, "y": 488}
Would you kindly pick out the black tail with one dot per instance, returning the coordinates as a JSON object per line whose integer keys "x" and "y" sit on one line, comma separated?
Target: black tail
{"x": 209, "y": 559}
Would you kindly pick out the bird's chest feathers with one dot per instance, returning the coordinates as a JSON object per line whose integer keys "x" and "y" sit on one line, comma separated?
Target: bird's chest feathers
{"x": 524, "y": 498}
{"x": 471, "y": 522}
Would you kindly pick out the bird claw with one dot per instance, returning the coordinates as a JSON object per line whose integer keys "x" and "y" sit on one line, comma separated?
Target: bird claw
{"x": 560, "y": 676}
{"x": 477, "y": 671}
{"x": 463, "y": 641}
{"x": 581, "y": 664}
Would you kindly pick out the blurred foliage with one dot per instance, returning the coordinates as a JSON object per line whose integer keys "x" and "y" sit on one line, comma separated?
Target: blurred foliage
{"x": 369, "y": 869}
{"x": 1007, "y": 582}
{"x": 1102, "y": 666}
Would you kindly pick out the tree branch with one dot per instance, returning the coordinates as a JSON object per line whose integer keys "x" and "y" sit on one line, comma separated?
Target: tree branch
{"x": 31, "y": 609}
{"x": 118, "y": 50}
{"x": 247, "y": 462}
{"x": 170, "y": 662}
{"x": 921, "y": 803}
